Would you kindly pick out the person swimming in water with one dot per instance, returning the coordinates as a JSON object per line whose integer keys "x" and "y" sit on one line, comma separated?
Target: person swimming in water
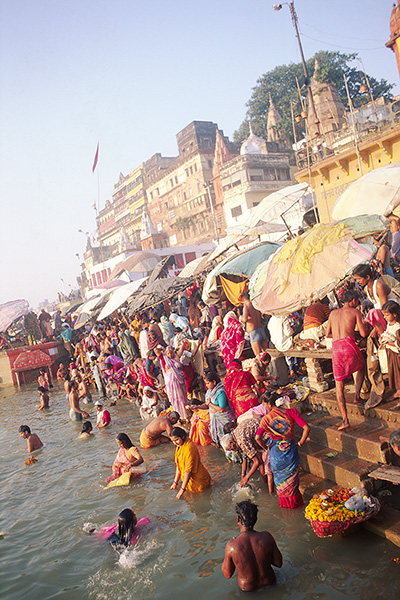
{"x": 127, "y": 530}
{"x": 44, "y": 399}
{"x": 87, "y": 429}
{"x": 32, "y": 439}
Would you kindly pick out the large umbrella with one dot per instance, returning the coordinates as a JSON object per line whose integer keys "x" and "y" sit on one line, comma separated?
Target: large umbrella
{"x": 242, "y": 264}
{"x": 377, "y": 192}
{"x": 11, "y": 311}
{"x": 307, "y": 268}
{"x": 120, "y": 296}
{"x": 85, "y": 311}
{"x": 157, "y": 292}
{"x": 140, "y": 262}
{"x": 263, "y": 228}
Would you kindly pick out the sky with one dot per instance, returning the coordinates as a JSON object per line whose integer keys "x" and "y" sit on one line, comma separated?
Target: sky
{"x": 130, "y": 75}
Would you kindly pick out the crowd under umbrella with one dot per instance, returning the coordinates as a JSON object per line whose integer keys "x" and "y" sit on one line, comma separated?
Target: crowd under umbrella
{"x": 377, "y": 192}
{"x": 310, "y": 266}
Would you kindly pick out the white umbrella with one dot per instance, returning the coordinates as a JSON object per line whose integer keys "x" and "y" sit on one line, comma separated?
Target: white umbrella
{"x": 11, "y": 311}
{"x": 376, "y": 193}
{"x": 119, "y": 297}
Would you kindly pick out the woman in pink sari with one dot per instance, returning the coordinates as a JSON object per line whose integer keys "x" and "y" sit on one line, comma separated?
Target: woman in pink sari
{"x": 174, "y": 378}
{"x": 241, "y": 388}
{"x": 232, "y": 339}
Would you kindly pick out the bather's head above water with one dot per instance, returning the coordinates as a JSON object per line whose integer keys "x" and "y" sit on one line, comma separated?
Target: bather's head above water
{"x": 126, "y": 524}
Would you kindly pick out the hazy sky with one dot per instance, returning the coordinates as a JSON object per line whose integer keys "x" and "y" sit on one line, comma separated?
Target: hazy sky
{"x": 131, "y": 74}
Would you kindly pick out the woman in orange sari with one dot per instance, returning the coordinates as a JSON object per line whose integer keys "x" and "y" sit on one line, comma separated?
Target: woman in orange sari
{"x": 195, "y": 477}
{"x": 241, "y": 388}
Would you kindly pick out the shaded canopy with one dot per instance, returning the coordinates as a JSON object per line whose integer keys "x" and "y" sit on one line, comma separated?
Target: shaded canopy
{"x": 140, "y": 262}
{"x": 377, "y": 192}
{"x": 119, "y": 297}
{"x": 307, "y": 268}
{"x": 157, "y": 292}
{"x": 11, "y": 311}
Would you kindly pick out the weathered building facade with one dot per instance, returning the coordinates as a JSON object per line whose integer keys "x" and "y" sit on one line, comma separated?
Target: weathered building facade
{"x": 178, "y": 200}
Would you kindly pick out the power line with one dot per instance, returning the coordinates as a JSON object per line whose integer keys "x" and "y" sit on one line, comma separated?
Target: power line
{"x": 340, "y": 36}
{"x": 338, "y": 46}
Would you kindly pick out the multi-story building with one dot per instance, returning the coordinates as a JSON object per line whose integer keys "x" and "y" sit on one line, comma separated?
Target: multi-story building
{"x": 124, "y": 213}
{"x": 181, "y": 202}
{"x": 243, "y": 181}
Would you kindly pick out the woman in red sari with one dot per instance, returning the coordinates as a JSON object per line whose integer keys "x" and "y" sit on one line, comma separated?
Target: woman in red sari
{"x": 232, "y": 339}
{"x": 241, "y": 388}
{"x": 283, "y": 451}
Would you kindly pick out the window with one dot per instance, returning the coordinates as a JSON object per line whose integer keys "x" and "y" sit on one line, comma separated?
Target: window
{"x": 199, "y": 187}
{"x": 237, "y": 182}
{"x": 171, "y": 183}
{"x": 236, "y": 212}
{"x": 171, "y": 215}
{"x": 176, "y": 180}
{"x": 191, "y": 170}
{"x": 210, "y": 165}
{"x": 190, "y": 192}
{"x": 195, "y": 167}
{"x": 187, "y": 172}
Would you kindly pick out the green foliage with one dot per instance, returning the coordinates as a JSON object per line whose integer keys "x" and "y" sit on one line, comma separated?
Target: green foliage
{"x": 281, "y": 84}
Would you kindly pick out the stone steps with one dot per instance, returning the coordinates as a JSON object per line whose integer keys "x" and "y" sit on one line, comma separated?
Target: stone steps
{"x": 343, "y": 469}
{"x": 325, "y": 403}
{"x": 365, "y": 440}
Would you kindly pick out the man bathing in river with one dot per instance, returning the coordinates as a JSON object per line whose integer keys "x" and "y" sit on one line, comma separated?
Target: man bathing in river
{"x": 44, "y": 399}
{"x": 152, "y": 435}
{"x": 252, "y": 553}
{"x": 346, "y": 356}
{"x": 32, "y": 439}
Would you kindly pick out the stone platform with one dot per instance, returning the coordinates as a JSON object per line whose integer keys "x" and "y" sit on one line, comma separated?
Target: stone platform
{"x": 347, "y": 458}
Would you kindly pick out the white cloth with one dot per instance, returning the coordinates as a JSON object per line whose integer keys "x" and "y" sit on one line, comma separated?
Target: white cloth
{"x": 281, "y": 333}
{"x": 144, "y": 343}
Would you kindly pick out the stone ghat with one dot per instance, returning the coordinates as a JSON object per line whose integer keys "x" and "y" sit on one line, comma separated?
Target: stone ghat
{"x": 349, "y": 458}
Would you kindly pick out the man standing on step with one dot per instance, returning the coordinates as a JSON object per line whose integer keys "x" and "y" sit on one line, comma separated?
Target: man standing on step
{"x": 346, "y": 356}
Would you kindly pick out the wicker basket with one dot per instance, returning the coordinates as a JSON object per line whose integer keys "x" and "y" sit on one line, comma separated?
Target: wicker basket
{"x": 329, "y": 528}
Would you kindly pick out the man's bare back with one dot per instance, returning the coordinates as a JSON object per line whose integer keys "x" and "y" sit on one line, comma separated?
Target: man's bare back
{"x": 342, "y": 323}
{"x": 34, "y": 442}
{"x": 252, "y": 553}
{"x": 161, "y": 425}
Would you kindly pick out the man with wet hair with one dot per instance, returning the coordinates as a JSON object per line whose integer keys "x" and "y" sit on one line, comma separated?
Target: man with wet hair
{"x": 32, "y": 439}
{"x": 152, "y": 435}
{"x": 252, "y": 553}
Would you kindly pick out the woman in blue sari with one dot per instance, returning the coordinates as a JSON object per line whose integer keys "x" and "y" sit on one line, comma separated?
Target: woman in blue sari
{"x": 220, "y": 409}
{"x": 283, "y": 450}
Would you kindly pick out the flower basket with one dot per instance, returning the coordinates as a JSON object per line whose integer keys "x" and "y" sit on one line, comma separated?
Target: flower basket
{"x": 328, "y": 515}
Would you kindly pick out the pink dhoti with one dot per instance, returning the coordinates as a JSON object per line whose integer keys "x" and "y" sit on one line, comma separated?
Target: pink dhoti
{"x": 346, "y": 358}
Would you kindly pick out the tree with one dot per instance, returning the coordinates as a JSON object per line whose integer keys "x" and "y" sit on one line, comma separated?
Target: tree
{"x": 281, "y": 84}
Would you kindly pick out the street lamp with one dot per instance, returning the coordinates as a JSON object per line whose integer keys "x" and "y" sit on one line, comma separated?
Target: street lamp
{"x": 307, "y": 78}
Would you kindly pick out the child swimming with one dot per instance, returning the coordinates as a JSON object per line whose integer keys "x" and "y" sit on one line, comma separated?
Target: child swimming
{"x": 127, "y": 530}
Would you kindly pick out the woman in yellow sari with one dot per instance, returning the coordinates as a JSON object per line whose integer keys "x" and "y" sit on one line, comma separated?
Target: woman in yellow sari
{"x": 195, "y": 477}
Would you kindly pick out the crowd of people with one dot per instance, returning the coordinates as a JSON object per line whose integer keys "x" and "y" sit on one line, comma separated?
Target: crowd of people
{"x": 166, "y": 361}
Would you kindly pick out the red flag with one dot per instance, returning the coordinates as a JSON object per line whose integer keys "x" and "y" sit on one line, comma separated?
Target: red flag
{"x": 96, "y": 158}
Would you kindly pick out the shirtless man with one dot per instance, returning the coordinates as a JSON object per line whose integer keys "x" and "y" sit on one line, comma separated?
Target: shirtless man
{"x": 346, "y": 356}
{"x": 252, "y": 553}
{"x": 152, "y": 435}
{"x": 32, "y": 439}
{"x": 75, "y": 412}
{"x": 83, "y": 390}
{"x": 44, "y": 398}
{"x": 252, "y": 317}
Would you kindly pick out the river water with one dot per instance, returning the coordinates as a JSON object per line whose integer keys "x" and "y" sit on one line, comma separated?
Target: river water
{"x": 47, "y": 509}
